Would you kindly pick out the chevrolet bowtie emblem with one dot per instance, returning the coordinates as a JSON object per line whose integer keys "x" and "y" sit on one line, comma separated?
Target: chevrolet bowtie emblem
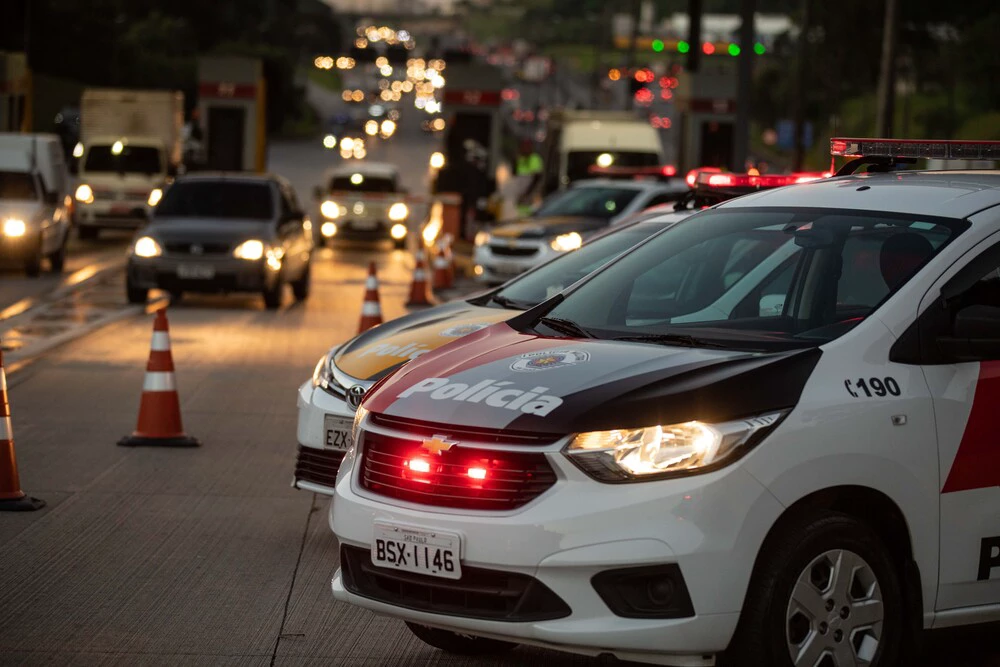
{"x": 437, "y": 444}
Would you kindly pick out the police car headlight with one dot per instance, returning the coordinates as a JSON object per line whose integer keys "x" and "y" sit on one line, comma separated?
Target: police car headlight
{"x": 566, "y": 242}
{"x": 655, "y": 452}
{"x": 322, "y": 374}
{"x": 482, "y": 238}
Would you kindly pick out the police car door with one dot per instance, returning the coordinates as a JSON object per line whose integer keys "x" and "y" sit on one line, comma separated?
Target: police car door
{"x": 959, "y": 331}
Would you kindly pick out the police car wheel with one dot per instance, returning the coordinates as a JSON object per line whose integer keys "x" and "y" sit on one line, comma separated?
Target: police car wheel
{"x": 453, "y": 642}
{"x": 826, "y": 591}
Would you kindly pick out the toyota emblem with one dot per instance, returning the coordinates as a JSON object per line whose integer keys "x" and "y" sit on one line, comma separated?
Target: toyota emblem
{"x": 355, "y": 395}
{"x": 197, "y": 249}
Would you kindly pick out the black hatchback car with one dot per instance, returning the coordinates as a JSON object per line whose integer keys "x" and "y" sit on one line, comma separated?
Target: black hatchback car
{"x": 217, "y": 232}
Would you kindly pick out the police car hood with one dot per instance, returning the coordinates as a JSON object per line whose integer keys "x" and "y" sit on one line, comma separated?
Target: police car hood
{"x": 499, "y": 378}
{"x": 537, "y": 228}
{"x": 369, "y": 355}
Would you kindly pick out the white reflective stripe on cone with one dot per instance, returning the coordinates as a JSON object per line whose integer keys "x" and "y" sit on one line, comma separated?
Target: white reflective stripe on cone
{"x": 3, "y": 381}
{"x": 159, "y": 381}
{"x": 371, "y": 283}
{"x": 418, "y": 275}
{"x": 370, "y": 308}
{"x": 6, "y": 432}
{"x": 161, "y": 341}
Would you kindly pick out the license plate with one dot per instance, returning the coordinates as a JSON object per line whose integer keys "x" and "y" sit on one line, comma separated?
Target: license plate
{"x": 338, "y": 432}
{"x": 414, "y": 550}
{"x": 196, "y": 271}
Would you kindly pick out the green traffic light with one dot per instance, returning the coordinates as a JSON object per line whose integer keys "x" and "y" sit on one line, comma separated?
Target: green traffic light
{"x": 657, "y": 45}
{"x": 734, "y": 49}
{"x": 759, "y": 49}
{"x": 683, "y": 47}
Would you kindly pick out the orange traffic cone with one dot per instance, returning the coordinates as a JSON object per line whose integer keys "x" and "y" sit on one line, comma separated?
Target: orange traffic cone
{"x": 441, "y": 278}
{"x": 12, "y": 498}
{"x": 420, "y": 290}
{"x": 160, "y": 407}
{"x": 371, "y": 311}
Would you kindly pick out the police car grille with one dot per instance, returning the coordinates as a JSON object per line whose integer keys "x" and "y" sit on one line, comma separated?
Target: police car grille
{"x": 480, "y": 593}
{"x": 507, "y": 251}
{"x": 423, "y": 429}
{"x": 399, "y": 468}
{"x": 318, "y": 466}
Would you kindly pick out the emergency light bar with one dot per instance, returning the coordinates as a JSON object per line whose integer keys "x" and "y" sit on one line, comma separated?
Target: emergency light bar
{"x": 718, "y": 180}
{"x": 692, "y": 176}
{"x": 915, "y": 149}
{"x": 663, "y": 171}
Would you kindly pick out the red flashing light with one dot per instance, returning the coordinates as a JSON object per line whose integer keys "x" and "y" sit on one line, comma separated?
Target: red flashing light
{"x": 665, "y": 94}
{"x": 915, "y": 149}
{"x": 692, "y": 176}
{"x": 716, "y": 180}
{"x": 477, "y": 473}
{"x": 644, "y": 96}
{"x": 755, "y": 181}
{"x": 511, "y": 94}
{"x": 708, "y": 48}
{"x": 419, "y": 465}
{"x": 668, "y": 170}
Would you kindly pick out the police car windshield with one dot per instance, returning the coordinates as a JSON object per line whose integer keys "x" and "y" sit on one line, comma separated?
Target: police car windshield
{"x": 218, "y": 200}
{"x": 600, "y": 201}
{"x": 17, "y": 185}
{"x": 562, "y": 272}
{"x": 758, "y": 278}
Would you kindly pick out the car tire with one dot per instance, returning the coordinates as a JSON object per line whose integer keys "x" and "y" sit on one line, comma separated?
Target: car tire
{"x": 58, "y": 258}
{"x": 300, "y": 288}
{"x": 272, "y": 296}
{"x": 134, "y": 294}
{"x": 86, "y": 233}
{"x": 806, "y": 557}
{"x": 459, "y": 644}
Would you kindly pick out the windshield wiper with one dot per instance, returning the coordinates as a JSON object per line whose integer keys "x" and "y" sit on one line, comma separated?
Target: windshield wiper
{"x": 567, "y": 327}
{"x": 672, "y": 339}
{"x": 509, "y": 303}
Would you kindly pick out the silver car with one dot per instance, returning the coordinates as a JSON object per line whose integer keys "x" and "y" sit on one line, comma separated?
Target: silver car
{"x": 215, "y": 232}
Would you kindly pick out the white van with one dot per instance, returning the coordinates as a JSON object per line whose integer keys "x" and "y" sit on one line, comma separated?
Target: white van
{"x": 34, "y": 203}
{"x": 576, "y": 141}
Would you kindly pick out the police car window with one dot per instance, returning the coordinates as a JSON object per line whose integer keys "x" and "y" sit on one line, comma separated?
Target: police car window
{"x": 560, "y": 273}
{"x": 752, "y": 277}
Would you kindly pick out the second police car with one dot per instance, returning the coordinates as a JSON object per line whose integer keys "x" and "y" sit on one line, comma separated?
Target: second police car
{"x": 765, "y": 434}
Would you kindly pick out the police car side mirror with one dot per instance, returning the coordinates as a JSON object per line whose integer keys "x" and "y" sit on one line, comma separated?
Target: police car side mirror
{"x": 975, "y": 335}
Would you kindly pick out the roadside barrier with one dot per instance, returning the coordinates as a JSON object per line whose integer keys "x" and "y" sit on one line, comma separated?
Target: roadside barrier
{"x": 160, "y": 409}
{"x": 12, "y": 498}
{"x": 371, "y": 310}
{"x": 420, "y": 289}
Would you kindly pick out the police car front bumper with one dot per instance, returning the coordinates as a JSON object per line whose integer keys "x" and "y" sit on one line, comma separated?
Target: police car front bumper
{"x": 321, "y": 447}
{"x": 709, "y": 527}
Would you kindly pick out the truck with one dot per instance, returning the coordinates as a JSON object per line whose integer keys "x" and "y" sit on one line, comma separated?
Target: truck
{"x": 34, "y": 201}
{"x": 577, "y": 140}
{"x": 131, "y": 149}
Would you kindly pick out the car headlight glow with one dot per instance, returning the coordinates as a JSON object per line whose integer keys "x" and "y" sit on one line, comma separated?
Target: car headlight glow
{"x": 14, "y": 228}
{"x": 155, "y": 195}
{"x": 655, "y": 452}
{"x": 85, "y": 194}
{"x": 330, "y": 209}
{"x": 482, "y": 238}
{"x": 566, "y": 242}
{"x": 251, "y": 250}
{"x": 328, "y": 229}
{"x": 437, "y": 160}
{"x": 398, "y": 212}
{"x": 147, "y": 246}
{"x": 398, "y": 231}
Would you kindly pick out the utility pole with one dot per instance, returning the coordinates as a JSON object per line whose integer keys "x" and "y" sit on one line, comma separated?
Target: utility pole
{"x": 694, "y": 35}
{"x": 887, "y": 73}
{"x": 744, "y": 85}
{"x": 801, "y": 86}
{"x": 633, "y": 42}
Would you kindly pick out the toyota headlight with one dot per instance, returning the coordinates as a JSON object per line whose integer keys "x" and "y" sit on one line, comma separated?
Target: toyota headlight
{"x": 398, "y": 212}
{"x": 655, "y": 452}
{"x": 85, "y": 194}
{"x": 482, "y": 238}
{"x": 147, "y": 246}
{"x": 566, "y": 242}
{"x": 330, "y": 209}
{"x": 155, "y": 195}
{"x": 252, "y": 250}
{"x": 14, "y": 228}
{"x": 323, "y": 373}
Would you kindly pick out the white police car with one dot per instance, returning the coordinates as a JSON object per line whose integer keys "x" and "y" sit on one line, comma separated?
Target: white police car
{"x": 785, "y": 454}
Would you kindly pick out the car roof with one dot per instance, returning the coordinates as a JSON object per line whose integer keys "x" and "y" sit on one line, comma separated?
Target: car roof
{"x": 383, "y": 169}
{"x": 951, "y": 194}
{"x": 626, "y": 184}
